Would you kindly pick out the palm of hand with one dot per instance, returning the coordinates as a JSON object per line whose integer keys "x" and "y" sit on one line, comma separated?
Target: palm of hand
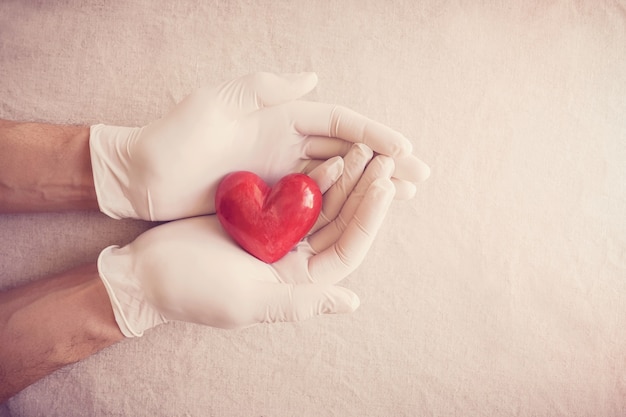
{"x": 191, "y": 270}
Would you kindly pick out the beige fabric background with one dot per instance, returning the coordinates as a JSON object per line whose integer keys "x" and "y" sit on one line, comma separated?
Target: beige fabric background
{"x": 500, "y": 290}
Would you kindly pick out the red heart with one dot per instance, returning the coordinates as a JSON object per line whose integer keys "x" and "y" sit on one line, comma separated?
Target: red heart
{"x": 267, "y": 221}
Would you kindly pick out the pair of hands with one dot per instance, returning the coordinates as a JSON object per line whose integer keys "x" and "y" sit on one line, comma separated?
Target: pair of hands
{"x": 189, "y": 269}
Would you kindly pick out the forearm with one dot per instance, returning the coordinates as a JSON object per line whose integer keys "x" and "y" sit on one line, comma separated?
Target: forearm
{"x": 45, "y": 167}
{"x": 51, "y": 323}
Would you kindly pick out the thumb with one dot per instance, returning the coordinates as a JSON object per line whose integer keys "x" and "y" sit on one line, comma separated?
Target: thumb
{"x": 296, "y": 302}
{"x": 272, "y": 89}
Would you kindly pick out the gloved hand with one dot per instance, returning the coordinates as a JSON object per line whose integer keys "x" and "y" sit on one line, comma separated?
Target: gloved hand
{"x": 170, "y": 168}
{"x": 191, "y": 270}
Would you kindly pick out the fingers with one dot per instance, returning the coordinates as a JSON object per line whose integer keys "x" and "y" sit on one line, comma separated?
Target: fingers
{"x": 354, "y": 164}
{"x": 322, "y": 147}
{"x": 329, "y": 120}
{"x": 327, "y": 173}
{"x": 379, "y": 167}
{"x": 410, "y": 168}
{"x": 405, "y": 190}
{"x": 348, "y": 251}
{"x": 290, "y": 302}
{"x": 330, "y": 130}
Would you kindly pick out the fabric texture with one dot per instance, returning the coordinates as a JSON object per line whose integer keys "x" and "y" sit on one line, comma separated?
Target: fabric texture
{"x": 499, "y": 290}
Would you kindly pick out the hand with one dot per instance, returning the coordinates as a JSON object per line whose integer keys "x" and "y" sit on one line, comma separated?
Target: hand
{"x": 170, "y": 168}
{"x": 190, "y": 270}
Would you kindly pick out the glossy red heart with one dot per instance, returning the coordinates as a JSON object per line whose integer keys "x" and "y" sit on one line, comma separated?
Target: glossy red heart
{"x": 267, "y": 221}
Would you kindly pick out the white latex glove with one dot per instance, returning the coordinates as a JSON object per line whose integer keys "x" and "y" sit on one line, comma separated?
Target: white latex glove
{"x": 170, "y": 168}
{"x": 191, "y": 270}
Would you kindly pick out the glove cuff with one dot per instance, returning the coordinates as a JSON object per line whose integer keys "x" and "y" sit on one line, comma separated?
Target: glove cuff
{"x": 110, "y": 163}
{"x": 133, "y": 313}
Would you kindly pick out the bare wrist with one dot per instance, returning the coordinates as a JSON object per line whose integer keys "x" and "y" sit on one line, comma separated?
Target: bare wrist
{"x": 50, "y": 323}
{"x": 45, "y": 167}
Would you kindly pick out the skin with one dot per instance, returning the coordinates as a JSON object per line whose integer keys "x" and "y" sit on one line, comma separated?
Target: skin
{"x": 59, "y": 173}
{"x": 51, "y": 323}
{"x": 64, "y": 318}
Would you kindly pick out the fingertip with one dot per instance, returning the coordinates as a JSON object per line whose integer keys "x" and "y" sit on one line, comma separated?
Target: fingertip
{"x": 406, "y": 147}
{"x": 276, "y": 88}
{"x": 405, "y": 190}
{"x": 424, "y": 171}
{"x": 380, "y": 194}
{"x": 386, "y": 164}
{"x": 328, "y": 173}
{"x": 412, "y": 169}
{"x": 363, "y": 150}
{"x": 383, "y": 187}
{"x": 342, "y": 301}
{"x": 312, "y": 77}
{"x": 335, "y": 168}
{"x": 307, "y": 80}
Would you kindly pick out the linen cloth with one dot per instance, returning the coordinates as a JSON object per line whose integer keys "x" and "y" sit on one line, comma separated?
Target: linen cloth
{"x": 500, "y": 290}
